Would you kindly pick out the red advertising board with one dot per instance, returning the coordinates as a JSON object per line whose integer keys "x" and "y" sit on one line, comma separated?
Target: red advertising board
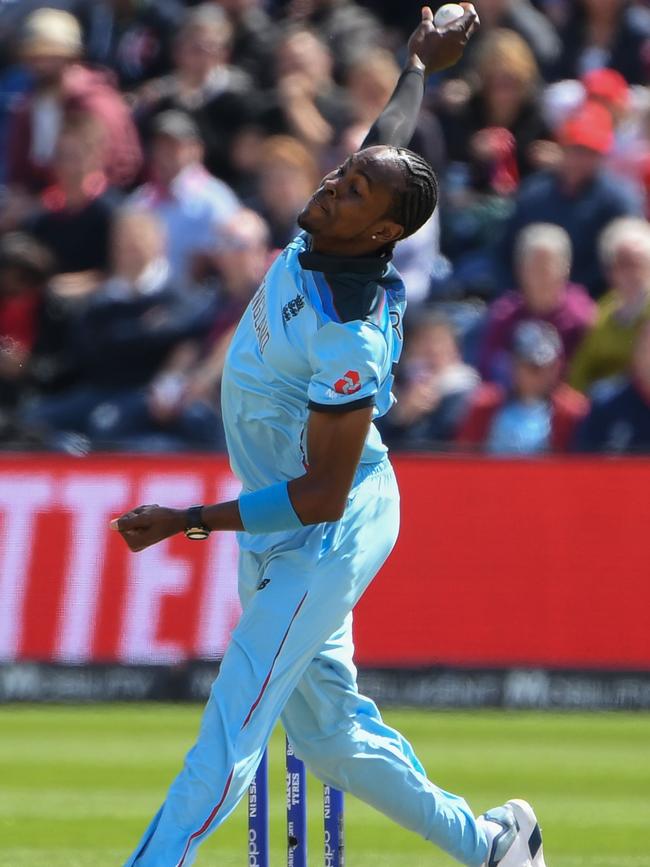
{"x": 498, "y": 564}
{"x": 506, "y": 563}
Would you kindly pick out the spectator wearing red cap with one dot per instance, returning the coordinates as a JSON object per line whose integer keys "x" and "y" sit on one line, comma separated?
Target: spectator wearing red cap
{"x": 579, "y": 194}
{"x": 630, "y": 111}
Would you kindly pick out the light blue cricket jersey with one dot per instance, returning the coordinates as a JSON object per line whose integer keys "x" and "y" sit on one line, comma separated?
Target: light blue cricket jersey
{"x": 321, "y": 333}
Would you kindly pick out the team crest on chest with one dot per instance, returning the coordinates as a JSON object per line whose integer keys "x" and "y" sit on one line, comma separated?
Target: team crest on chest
{"x": 292, "y": 308}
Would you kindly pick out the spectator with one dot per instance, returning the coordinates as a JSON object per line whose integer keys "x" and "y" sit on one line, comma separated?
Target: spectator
{"x": 606, "y": 349}
{"x": 287, "y": 176}
{"x": 75, "y": 217}
{"x": 254, "y": 40}
{"x": 538, "y": 413}
{"x": 606, "y": 33}
{"x": 492, "y": 137}
{"x": 580, "y": 195}
{"x": 306, "y": 102}
{"x": 619, "y": 420}
{"x": 241, "y": 259}
{"x": 133, "y": 328}
{"x": 522, "y": 17}
{"x": 505, "y": 96}
{"x": 133, "y": 37}
{"x": 630, "y": 111}
{"x": 25, "y": 268}
{"x": 50, "y": 47}
{"x": 204, "y": 85}
{"x": 543, "y": 264}
{"x": 186, "y": 198}
{"x": 349, "y": 30}
{"x": 433, "y": 389}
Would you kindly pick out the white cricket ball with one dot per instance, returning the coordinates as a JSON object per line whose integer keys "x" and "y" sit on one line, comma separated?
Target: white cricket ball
{"x": 448, "y": 13}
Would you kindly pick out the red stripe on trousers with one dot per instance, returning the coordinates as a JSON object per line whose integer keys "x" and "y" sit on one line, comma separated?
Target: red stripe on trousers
{"x": 204, "y": 827}
{"x": 268, "y": 676}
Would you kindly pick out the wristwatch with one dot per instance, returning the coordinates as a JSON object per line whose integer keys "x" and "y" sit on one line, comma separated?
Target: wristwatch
{"x": 195, "y": 529}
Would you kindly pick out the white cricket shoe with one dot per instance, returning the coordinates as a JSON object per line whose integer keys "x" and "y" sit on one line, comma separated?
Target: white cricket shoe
{"x": 514, "y": 836}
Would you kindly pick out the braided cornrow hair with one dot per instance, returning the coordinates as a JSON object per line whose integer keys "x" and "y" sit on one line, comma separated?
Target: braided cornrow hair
{"x": 413, "y": 205}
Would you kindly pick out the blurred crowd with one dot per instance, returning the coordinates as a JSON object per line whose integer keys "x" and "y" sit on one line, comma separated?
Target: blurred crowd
{"x": 155, "y": 154}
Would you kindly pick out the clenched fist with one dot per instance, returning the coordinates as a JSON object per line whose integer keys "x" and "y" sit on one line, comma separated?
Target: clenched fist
{"x": 147, "y": 525}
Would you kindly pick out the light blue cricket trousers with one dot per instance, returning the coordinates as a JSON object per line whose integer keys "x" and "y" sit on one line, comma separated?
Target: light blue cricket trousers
{"x": 291, "y": 657}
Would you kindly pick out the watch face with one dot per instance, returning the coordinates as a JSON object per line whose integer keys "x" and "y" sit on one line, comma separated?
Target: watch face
{"x": 196, "y": 533}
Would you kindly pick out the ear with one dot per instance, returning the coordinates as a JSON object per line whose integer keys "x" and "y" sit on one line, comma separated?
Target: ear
{"x": 388, "y": 232}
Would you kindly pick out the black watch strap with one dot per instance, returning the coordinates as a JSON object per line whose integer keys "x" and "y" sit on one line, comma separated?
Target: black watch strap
{"x": 195, "y": 529}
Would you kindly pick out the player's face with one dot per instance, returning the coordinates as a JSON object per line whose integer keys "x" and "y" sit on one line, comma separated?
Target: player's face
{"x": 351, "y": 204}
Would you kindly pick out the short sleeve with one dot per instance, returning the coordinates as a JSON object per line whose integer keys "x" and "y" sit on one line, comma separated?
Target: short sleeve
{"x": 348, "y": 361}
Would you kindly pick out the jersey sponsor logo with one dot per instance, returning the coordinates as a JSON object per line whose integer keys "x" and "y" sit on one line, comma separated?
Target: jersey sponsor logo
{"x": 348, "y": 384}
{"x": 292, "y": 308}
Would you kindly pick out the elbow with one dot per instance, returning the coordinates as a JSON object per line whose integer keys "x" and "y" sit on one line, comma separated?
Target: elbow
{"x": 322, "y": 506}
{"x": 331, "y": 512}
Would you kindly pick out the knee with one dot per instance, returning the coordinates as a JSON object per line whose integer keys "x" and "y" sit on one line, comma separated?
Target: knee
{"x": 326, "y": 755}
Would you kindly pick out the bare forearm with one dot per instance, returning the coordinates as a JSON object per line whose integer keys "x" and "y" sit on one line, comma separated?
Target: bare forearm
{"x": 312, "y": 502}
{"x": 335, "y": 443}
{"x": 223, "y": 516}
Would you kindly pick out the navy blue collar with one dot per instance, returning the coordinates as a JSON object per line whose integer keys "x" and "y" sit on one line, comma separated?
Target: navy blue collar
{"x": 372, "y": 267}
